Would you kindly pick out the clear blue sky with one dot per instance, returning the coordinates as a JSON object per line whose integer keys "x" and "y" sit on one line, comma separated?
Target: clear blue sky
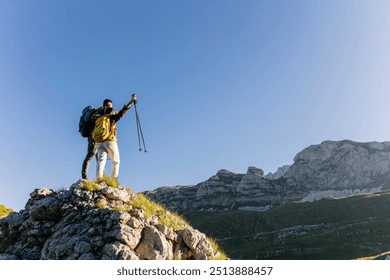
{"x": 221, "y": 85}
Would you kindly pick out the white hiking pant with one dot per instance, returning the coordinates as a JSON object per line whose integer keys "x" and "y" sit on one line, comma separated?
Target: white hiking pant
{"x": 109, "y": 148}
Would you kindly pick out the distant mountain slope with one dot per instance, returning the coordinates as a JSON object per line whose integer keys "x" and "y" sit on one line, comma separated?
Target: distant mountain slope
{"x": 345, "y": 228}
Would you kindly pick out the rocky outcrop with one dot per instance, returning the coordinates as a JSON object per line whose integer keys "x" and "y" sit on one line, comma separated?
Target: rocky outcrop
{"x": 77, "y": 224}
{"x": 330, "y": 169}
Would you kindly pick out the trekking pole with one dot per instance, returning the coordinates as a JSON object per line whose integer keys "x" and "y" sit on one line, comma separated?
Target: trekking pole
{"x": 139, "y": 130}
{"x": 139, "y": 139}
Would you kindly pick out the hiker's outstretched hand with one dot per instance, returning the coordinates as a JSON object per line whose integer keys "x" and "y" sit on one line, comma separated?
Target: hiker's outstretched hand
{"x": 134, "y": 99}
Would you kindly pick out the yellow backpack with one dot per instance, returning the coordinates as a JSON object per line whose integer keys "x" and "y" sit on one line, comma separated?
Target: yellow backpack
{"x": 103, "y": 129}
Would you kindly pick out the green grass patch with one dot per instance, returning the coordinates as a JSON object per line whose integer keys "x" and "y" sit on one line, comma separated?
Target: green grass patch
{"x": 222, "y": 255}
{"x": 167, "y": 218}
{"x": 93, "y": 186}
{"x": 110, "y": 181}
{"x": 5, "y": 211}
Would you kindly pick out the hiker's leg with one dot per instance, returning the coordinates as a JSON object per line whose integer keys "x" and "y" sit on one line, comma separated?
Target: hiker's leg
{"x": 102, "y": 159}
{"x": 91, "y": 153}
{"x": 113, "y": 152}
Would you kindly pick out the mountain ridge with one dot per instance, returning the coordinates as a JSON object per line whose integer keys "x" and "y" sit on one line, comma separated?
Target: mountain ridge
{"x": 332, "y": 168}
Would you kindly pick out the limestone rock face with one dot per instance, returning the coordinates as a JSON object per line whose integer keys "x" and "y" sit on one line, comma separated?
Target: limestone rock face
{"x": 339, "y": 165}
{"x": 330, "y": 169}
{"x": 77, "y": 224}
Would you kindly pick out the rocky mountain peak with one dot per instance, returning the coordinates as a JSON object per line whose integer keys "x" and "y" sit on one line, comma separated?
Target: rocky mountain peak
{"x": 340, "y": 165}
{"x": 100, "y": 223}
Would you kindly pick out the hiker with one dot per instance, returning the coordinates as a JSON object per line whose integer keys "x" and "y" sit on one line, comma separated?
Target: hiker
{"x": 92, "y": 145}
{"x": 109, "y": 145}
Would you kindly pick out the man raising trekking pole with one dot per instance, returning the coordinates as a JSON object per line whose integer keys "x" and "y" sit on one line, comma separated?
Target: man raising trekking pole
{"x": 104, "y": 134}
